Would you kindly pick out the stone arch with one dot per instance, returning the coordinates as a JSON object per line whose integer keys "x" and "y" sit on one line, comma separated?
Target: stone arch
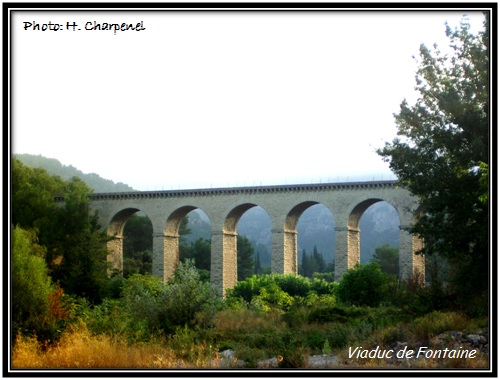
{"x": 347, "y": 250}
{"x": 285, "y": 246}
{"x": 224, "y": 270}
{"x": 115, "y": 234}
{"x": 166, "y": 243}
{"x": 231, "y": 220}
{"x": 348, "y": 243}
{"x": 174, "y": 220}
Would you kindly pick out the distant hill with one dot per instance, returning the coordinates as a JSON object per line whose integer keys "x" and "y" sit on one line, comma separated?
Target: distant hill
{"x": 54, "y": 167}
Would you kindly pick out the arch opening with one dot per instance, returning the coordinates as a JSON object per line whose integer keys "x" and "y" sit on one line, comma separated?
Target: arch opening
{"x": 316, "y": 242}
{"x": 137, "y": 245}
{"x": 130, "y": 244}
{"x": 254, "y": 242}
{"x": 195, "y": 241}
{"x": 224, "y": 273}
{"x": 286, "y": 253}
{"x": 380, "y": 236}
{"x": 174, "y": 239}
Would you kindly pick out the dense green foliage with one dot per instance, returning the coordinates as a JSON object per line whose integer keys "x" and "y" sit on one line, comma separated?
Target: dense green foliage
{"x": 147, "y": 307}
{"x": 278, "y": 290}
{"x": 442, "y": 156}
{"x": 388, "y": 259}
{"x": 75, "y": 249}
{"x": 364, "y": 285}
{"x": 313, "y": 263}
{"x": 137, "y": 246}
{"x": 245, "y": 259}
{"x": 60, "y": 276}
{"x": 31, "y": 284}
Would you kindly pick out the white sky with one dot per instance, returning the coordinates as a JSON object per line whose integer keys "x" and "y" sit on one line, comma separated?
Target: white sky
{"x": 212, "y": 99}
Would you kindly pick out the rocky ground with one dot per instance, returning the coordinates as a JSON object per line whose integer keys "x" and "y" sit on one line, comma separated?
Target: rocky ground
{"x": 452, "y": 340}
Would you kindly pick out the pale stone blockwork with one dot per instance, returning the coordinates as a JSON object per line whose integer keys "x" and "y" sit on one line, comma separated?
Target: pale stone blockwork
{"x": 284, "y": 205}
{"x": 223, "y": 268}
{"x": 115, "y": 249}
{"x": 158, "y": 255}
{"x": 284, "y": 252}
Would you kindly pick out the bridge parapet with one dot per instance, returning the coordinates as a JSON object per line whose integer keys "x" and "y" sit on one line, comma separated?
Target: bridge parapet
{"x": 225, "y": 191}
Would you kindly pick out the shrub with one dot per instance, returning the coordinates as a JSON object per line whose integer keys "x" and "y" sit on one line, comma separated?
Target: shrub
{"x": 187, "y": 300}
{"x": 186, "y": 346}
{"x": 31, "y": 285}
{"x": 418, "y": 300}
{"x": 141, "y": 299}
{"x": 295, "y": 286}
{"x": 364, "y": 285}
{"x": 184, "y": 301}
{"x": 327, "y": 313}
{"x": 278, "y": 290}
{"x": 290, "y": 349}
{"x": 338, "y": 335}
{"x": 438, "y": 322}
{"x": 275, "y": 297}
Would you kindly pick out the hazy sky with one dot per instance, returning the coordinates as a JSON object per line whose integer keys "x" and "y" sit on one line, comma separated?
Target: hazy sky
{"x": 216, "y": 99}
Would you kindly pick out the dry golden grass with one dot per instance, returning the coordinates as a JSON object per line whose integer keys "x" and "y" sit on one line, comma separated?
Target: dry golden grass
{"x": 79, "y": 349}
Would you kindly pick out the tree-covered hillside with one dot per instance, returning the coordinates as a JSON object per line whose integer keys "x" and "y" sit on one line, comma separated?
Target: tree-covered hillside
{"x": 54, "y": 167}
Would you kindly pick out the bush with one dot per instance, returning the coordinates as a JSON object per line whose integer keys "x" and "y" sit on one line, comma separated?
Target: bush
{"x": 418, "y": 300}
{"x": 364, "y": 285}
{"x": 438, "y": 322}
{"x": 31, "y": 284}
{"x": 184, "y": 301}
{"x": 187, "y": 300}
{"x": 142, "y": 304}
{"x": 278, "y": 290}
{"x": 295, "y": 286}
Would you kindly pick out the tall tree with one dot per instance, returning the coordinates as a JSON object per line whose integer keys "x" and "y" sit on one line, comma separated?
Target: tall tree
{"x": 199, "y": 252}
{"x": 442, "y": 154}
{"x": 81, "y": 244}
{"x": 75, "y": 246}
{"x": 388, "y": 258}
{"x": 258, "y": 266}
{"x": 245, "y": 260}
{"x": 318, "y": 258}
{"x": 33, "y": 206}
{"x": 310, "y": 264}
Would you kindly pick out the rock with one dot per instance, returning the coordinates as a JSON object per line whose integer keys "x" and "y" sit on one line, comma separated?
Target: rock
{"x": 227, "y": 354}
{"x": 476, "y": 340}
{"x": 322, "y": 361}
{"x": 269, "y": 363}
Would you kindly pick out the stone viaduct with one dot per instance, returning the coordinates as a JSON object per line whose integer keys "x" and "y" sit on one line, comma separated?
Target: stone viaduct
{"x": 284, "y": 205}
